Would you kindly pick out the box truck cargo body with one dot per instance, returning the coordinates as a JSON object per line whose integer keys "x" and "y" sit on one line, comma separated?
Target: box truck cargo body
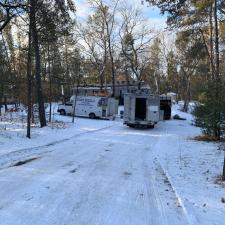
{"x": 166, "y": 107}
{"x": 141, "y": 109}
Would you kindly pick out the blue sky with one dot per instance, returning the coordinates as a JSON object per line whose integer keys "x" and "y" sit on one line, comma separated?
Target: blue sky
{"x": 151, "y": 13}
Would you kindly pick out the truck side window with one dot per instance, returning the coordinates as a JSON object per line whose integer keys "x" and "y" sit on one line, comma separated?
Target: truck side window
{"x": 102, "y": 102}
{"x": 69, "y": 103}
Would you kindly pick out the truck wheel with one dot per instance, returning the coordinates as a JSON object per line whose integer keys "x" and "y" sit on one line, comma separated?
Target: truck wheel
{"x": 62, "y": 112}
{"x": 92, "y": 116}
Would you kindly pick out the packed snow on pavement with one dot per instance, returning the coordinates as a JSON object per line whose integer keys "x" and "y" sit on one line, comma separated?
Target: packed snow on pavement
{"x": 97, "y": 172}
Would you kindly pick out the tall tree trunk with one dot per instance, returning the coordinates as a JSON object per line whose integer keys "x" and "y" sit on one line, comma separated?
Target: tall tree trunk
{"x": 5, "y": 103}
{"x": 217, "y": 60}
{"x": 187, "y": 98}
{"x": 112, "y": 70}
{"x": 177, "y": 87}
{"x": 104, "y": 78}
{"x": 211, "y": 42}
{"x": 66, "y": 78}
{"x": 101, "y": 72}
{"x": 3, "y": 77}
{"x": 29, "y": 84}
{"x": 127, "y": 78}
{"x": 217, "y": 73}
{"x": 156, "y": 82}
{"x": 223, "y": 176}
{"x": 1, "y": 91}
{"x": 139, "y": 84}
{"x": 50, "y": 84}
{"x": 110, "y": 55}
{"x": 35, "y": 39}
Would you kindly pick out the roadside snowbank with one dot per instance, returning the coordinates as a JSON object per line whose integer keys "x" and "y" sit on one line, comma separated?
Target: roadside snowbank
{"x": 13, "y": 130}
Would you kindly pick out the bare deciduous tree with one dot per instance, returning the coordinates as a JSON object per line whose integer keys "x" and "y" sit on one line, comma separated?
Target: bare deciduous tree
{"x": 107, "y": 15}
{"x": 135, "y": 38}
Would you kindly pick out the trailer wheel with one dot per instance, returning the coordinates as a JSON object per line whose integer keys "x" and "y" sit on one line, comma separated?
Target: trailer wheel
{"x": 92, "y": 116}
{"x": 62, "y": 112}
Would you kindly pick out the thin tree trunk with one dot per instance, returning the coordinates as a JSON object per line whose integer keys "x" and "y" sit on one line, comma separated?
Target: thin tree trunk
{"x": 2, "y": 81}
{"x": 5, "y": 103}
{"x": 139, "y": 85}
{"x": 50, "y": 85}
{"x": 211, "y": 42}
{"x": 187, "y": 95}
{"x": 111, "y": 56}
{"x": 104, "y": 78}
{"x": 177, "y": 88}
{"x": 29, "y": 89}
{"x": 1, "y": 93}
{"x": 217, "y": 41}
{"x": 112, "y": 70}
{"x": 127, "y": 78}
{"x": 217, "y": 73}
{"x": 67, "y": 90}
{"x": 35, "y": 37}
{"x": 156, "y": 83}
{"x": 100, "y": 72}
{"x": 223, "y": 175}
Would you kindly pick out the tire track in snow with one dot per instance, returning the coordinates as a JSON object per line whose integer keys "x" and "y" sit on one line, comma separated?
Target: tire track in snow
{"x": 154, "y": 195}
{"x": 11, "y": 158}
{"x": 190, "y": 216}
{"x": 188, "y": 211}
{"x": 154, "y": 170}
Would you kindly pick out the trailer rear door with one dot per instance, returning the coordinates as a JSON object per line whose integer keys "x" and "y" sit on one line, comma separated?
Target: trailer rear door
{"x": 140, "y": 109}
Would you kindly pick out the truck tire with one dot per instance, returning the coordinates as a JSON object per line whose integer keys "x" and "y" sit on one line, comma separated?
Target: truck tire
{"x": 62, "y": 112}
{"x": 92, "y": 116}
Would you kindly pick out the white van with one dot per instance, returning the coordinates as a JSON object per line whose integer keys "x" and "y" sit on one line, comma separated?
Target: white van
{"x": 90, "y": 106}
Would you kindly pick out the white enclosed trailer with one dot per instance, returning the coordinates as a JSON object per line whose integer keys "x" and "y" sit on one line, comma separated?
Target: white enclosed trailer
{"x": 90, "y": 106}
{"x": 141, "y": 109}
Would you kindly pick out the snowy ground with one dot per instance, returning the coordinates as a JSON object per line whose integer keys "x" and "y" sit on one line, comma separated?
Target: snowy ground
{"x": 97, "y": 172}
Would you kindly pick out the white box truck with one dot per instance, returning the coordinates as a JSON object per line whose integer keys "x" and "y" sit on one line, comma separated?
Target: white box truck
{"x": 141, "y": 109}
{"x": 90, "y": 106}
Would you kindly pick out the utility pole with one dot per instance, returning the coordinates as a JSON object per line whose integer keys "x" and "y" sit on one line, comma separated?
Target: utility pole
{"x": 75, "y": 97}
{"x": 74, "y": 103}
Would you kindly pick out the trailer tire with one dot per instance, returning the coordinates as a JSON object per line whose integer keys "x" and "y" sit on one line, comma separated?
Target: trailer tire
{"x": 62, "y": 112}
{"x": 92, "y": 116}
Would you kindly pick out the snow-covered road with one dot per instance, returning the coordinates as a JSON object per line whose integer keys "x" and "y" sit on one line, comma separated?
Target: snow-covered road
{"x": 107, "y": 177}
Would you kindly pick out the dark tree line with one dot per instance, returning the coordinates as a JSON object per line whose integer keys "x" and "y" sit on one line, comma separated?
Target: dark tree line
{"x": 40, "y": 30}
